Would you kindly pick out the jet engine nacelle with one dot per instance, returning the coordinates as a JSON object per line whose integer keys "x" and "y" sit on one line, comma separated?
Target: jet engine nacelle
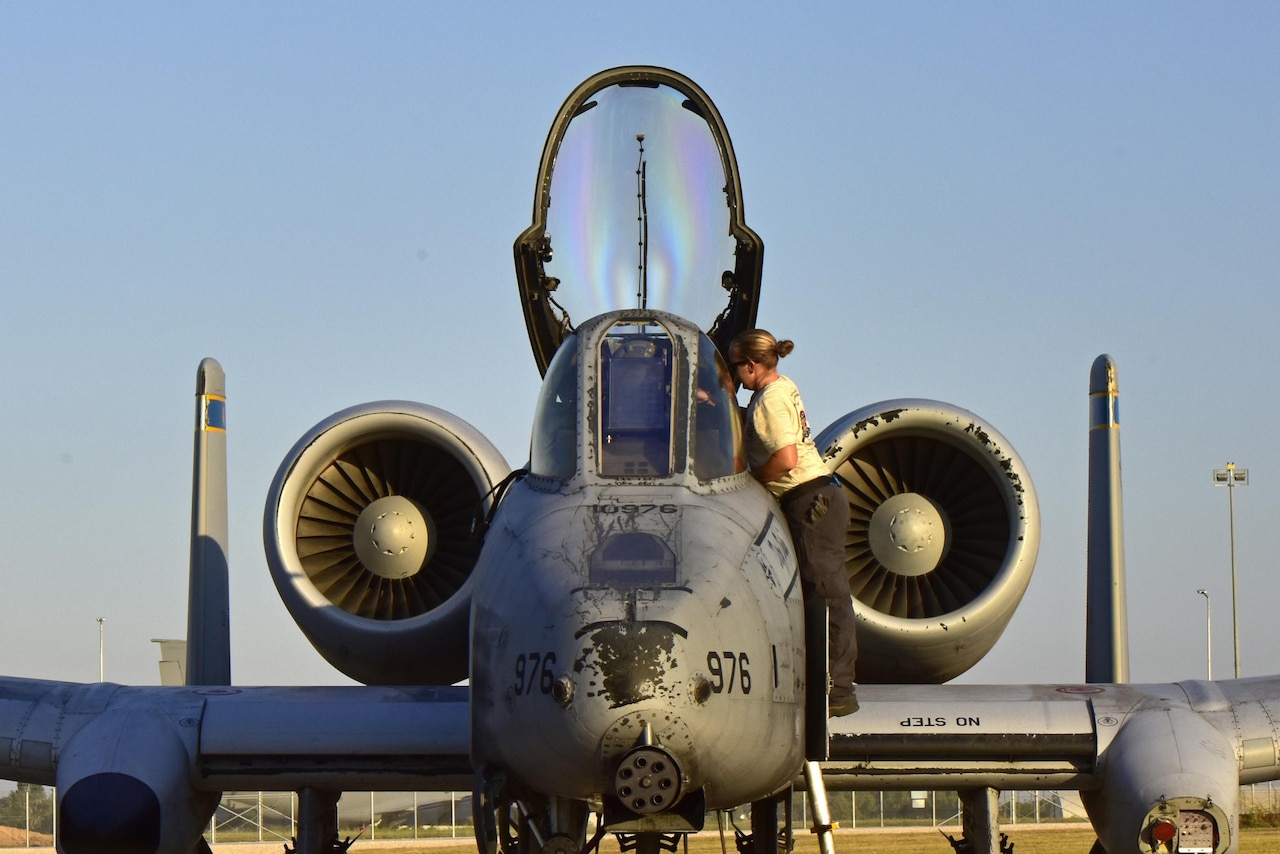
{"x": 124, "y": 783}
{"x": 369, "y": 535}
{"x": 1170, "y": 782}
{"x": 943, "y": 534}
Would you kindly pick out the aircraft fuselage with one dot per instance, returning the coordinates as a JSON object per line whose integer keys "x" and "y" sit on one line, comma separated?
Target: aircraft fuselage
{"x": 639, "y": 637}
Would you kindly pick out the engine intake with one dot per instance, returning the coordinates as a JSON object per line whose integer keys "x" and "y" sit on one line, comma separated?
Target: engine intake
{"x": 943, "y": 534}
{"x": 368, "y": 533}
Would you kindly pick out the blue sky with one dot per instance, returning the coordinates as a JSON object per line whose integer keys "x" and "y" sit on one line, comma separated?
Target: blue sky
{"x": 966, "y": 202}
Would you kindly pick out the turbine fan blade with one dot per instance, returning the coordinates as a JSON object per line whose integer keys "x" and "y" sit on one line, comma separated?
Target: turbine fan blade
{"x": 955, "y": 483}
{"x": 429, "y": 477}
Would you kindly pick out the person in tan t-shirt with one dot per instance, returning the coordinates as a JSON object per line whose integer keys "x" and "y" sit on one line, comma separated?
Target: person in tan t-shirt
{"x": 783, "y": 457}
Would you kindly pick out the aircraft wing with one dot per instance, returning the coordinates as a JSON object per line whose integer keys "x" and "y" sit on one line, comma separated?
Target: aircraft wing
{"x": 1142, "y": 756}
{"x": 221, "y": 738}
{"x": 964, "y": 735}
{"x": 1041, "y": 736}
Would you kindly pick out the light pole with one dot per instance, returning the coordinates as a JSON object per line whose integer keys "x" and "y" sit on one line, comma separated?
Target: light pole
{"x": 102, "y": 659}
{"x": 1208, "y": 631}
{"x": 1231, "y": 477}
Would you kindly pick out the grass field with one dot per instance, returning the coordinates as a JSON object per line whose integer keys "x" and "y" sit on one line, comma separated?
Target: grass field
{"x": 1027, "y": 839}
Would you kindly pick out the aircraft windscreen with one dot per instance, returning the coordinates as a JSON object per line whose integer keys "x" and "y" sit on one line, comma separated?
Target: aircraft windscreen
{"x": 638, "y": 215}
{"x": 553, "y": 449}
{"x": 636, "y": 403}
{"x": 639, "y": 387}
{"x": 717, "y": 431}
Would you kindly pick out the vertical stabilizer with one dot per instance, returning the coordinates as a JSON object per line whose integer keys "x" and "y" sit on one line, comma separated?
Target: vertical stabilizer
{"x": 208, "y": 599}
{"x": 1106, "y": 642}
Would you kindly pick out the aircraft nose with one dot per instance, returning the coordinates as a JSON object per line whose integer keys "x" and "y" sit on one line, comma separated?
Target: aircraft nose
{"x": 109, "y": 812}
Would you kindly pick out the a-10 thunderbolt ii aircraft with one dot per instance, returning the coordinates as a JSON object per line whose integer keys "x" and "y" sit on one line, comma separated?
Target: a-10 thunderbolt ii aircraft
{"x": 626, "y": 606}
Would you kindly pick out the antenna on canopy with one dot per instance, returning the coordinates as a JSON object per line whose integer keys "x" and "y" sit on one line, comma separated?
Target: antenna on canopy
{"x": 642, "y": 217}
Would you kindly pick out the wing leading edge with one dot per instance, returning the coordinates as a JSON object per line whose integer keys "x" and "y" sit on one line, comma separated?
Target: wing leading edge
{"x": 344, "y": 738}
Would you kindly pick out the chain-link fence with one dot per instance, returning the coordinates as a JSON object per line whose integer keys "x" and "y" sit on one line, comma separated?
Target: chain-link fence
{"x": 937, "y": 809}
{"x": 272, "y": 816}
{"x": 27, "y": 815}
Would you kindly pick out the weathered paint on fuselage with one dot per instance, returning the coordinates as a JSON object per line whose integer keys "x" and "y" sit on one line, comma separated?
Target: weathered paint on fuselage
{"x": 637, "y": 591}
{"x": 568, "y": 668}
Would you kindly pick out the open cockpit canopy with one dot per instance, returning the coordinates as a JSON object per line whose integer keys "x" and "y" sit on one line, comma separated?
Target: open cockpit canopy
{"x": 638, "y": 205}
